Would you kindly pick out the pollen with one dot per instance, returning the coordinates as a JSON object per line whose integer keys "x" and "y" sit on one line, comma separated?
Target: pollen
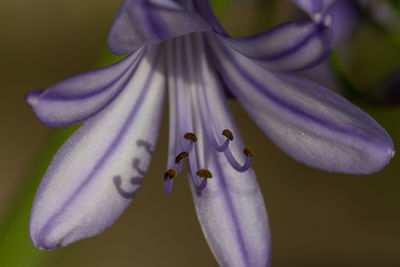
{"x": 203, "y": 173}
{"x": 181, "y": 156}
{"x": 248, "y": 151}
{"x": 170, "y": 174}
{"x": 190, "y": 137}
{"x": 228, "y": 134}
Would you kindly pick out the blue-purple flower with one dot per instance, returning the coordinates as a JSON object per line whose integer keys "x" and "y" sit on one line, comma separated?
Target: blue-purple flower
{"x": 180, "y": 48}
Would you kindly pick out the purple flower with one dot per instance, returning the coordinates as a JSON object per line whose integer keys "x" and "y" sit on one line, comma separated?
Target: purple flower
{"x": 180, "y": 48}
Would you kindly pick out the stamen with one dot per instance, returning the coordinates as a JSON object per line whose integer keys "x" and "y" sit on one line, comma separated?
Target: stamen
{"x": 204, "y": 173}
{"x": 190, "y": 137}
{"x": 248, "y": 151}
{"x": 181, "y": 156}
{"x": 170, "y": 174}
{"x": 228, "y": 134}
{"x": 202, "y": 185}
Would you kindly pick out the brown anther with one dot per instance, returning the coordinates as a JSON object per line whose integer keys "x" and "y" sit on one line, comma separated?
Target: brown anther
{"x": 228, "y": 134}
{"x": 190, "y": 137}
{"x": 203, "y": 173}
{"x": 171, "y": 174}
{"x": 181, "y": 156}
{"x": 248, "y": 151}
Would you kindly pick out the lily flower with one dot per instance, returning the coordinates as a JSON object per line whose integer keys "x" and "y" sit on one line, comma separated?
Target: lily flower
{"x": 180, "y": 48}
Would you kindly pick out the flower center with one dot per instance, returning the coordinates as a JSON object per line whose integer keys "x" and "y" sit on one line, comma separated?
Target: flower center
{"x": 197, "y": 117}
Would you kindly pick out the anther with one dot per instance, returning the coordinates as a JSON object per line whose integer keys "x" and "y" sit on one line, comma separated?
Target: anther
{"x": 248, "y": 151}
{"x": 228, "y": 134}
{"x": 203, "y": 173}
{"x": 190, "y": 137}
{"x": 170, "y": 174}
{"x": 181, "y": 156}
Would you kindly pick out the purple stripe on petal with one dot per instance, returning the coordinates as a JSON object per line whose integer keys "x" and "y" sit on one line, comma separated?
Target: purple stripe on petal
{"x": 232, "y": 215}
{"x": 313, "y": 6}
{"x": 142, "y": 22}
{"x": 96, "y": 173}
{"x": 230, "y": 208}
{"x": 81, "y": 96}
{"x": 205, "y": 9}
{"x": 309, "y": 122}
{"x": 291, "y": 46}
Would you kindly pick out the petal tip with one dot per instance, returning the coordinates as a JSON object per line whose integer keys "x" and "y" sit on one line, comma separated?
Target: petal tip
{"x": 327, "y": 21}
{"x": 39, "y": 242}
{"x": 323, "y": 19}
{"x": 386, "y": 158}
{"x": 32, "y": 98}
{"x": 47, "y": 239}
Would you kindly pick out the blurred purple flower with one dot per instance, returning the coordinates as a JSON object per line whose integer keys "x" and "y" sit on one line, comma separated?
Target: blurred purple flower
{"x": 179, "y": 47}
{"x": 383, "y": 12}
{"x": 348, "y": 17}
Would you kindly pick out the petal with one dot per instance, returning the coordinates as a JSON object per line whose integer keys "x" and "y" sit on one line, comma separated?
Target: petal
{"x": 142, "y": 22}
{"x": 96, "y": 173}
{"x": 232, "y": 215}
{"x": 231, "y": 208}
{"x": 291, "y": 46}
{"x": 81, "y": 96}
{"x": 309, "y": 122}
{"x": 345, "y": 18}
{"x": 207, "y": 12}
{"x": 313, "y": 6}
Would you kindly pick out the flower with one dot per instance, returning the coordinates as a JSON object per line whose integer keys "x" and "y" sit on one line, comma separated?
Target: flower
{"x": 348, "y": 18}
{"x": 179, "y": 47}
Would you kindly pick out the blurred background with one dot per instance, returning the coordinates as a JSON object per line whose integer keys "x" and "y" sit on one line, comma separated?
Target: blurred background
{"x": 317, "y": 218}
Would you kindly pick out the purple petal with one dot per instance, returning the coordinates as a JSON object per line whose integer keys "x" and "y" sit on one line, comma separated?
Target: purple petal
{"x": 83, "y": 95}
{"x": 313, "y": 6}
{"x": 291, "y": 46}
{"x": 141, "y": 22}
{"x": 207, "y": 12}
{"x": 232, "y": 215}
{"x": 96, "y": 173}
{"x": 309, "y": 122}
{"x": 345, "y": 16}
{"x": 231, "y": 208}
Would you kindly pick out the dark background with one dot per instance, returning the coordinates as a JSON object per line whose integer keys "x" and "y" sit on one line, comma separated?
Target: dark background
{"x": 317, "y": 218}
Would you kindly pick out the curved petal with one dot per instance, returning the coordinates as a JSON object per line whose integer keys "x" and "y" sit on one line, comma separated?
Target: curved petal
{"x": 96, "y": 173}
{"x": 142, "y": 22}
{"x": 232, "y": 215}
{"x": 81, "y": 96}
{"x": 313, "y": 6}
{"x": 207, "y": 12}
{"x": 309, "y": 122}
{"x": 292, "y": 46}
{"x": 231, "y": 207}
